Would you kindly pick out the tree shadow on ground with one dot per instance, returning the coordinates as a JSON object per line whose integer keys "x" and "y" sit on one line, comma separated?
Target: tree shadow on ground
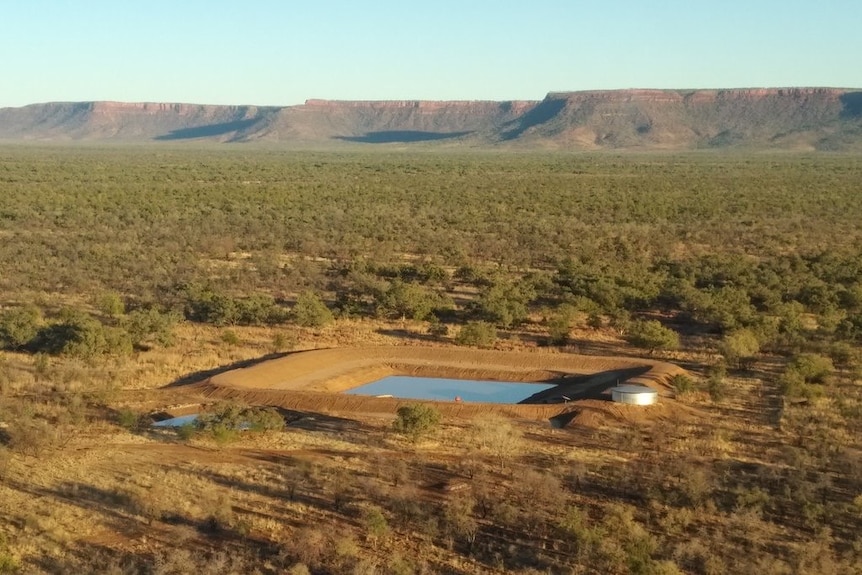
{"x": 408, "y": 334}
{"x": 203, "y": 374}
{"x": 401, "y": 137}
{"x": 84, "y": 557}
{"x": 851, "y": 105}
{"x": 319, "y": 422}
{"x": 338, "y": 428}
{"x": 208, "y": 131}
{"x": 324, "y": 490}
{"x": 543, "y": 112}
{"x": 593, "y": 386}
{"x": 210, "y": 555}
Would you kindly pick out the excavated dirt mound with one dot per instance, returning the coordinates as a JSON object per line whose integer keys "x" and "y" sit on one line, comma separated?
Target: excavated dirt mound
{"x": 313, "y": 380}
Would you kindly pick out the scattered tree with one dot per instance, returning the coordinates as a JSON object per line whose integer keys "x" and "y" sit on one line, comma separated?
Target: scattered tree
{"x": 80, "y": 335}
{"x": 497, "y": 436}
{"x": 416, "y": 420}
{"x": 812, "y": 367}
{"x": 149, "y": 326}
{"x": 376, "y": 526}
{"x": 683, "y": 383}
{"x": 560, "y": 324}
{"x": 477, "y": 334}
{"x": 740, "y": 346}
{"x": 409, "y": 300}
{"x": 310, "y": 311}
{"x": 652, "y": 335}
{"x": 505, "y": 303}
{"x": 18, "y": 326}
{"x": 111, "y": 305}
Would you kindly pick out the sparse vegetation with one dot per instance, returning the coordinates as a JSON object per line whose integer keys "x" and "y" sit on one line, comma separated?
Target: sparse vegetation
{"x": 129, "y": 419}
{"x": 734, "y": 266}
{"x": 683, "y": 383}
{"x": 498, "y": 437}
{"x": 227, "y": 419}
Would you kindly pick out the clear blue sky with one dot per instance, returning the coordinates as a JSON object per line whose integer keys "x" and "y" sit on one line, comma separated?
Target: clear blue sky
{"x": 282, "y": 52}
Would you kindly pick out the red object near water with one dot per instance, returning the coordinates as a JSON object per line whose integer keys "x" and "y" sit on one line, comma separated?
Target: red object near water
{"x": 457, "y": 399}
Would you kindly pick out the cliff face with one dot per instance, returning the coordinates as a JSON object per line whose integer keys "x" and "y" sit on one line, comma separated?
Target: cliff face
{"x": 798, "y": 118}
{"x": 406, "y": 121}
{"x": 125, "y": 121}
{"x": 795, "y": 117}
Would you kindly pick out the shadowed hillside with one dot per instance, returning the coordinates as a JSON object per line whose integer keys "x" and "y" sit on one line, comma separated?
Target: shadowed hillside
{"x": 120, "y": 121}
{"x": 787, "y": 118}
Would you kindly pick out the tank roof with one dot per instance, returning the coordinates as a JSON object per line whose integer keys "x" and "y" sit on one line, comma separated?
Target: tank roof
{"x": 634, "y": 389}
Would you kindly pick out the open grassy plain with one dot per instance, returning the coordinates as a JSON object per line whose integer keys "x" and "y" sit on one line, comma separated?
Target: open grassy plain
{"x": 134, "y": 279}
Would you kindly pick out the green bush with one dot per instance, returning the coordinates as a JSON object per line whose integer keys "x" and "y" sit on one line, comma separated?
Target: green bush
{"x": 150, "y": 326}
{"x": 310, "y": 311}
{"x": 230, "y": 337}
{"x": 652, "y": 335}
{"x": 683, "y": 383}
{"x": 437, "y": 328}
{"x": 477, "y": 334}
{"x": 263, "y": 419}
{"x": 206, "y": 305}
{"x": 111, "y": 305}
{"x": 32, "y": 436}
{"x": 80, "y": 335}
{"x": 560, "y": 324}
{"x": 716, "y": 382}
{"x": 18, "y": 326}
{"x": 228, "y": 419}
{"x": 129, "y": 419}
{"x": 186, "y": 431}
{"x": 209, "y": 305}
{"x": 8, "y": 563}
{"x": 409, "y": 300}
{"x": 259, "y": 309}
{"x": 740, "y": 346}
{"x": 117, "y": 341}
{"x": 506, "y": 303}
{"x": 223, "y": 434}
{"x": 376, "y": 526}
{"x": 794, "y": 385}
{"x": 282, "y": 342}
{"x": 812, "y": 367}
{"x": 416, "y": 420}
{"x": 844, "y": 354}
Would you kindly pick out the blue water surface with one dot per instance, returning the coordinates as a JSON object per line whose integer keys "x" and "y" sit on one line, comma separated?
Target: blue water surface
{"x": 439, "y": 389}
{"x": 177, "y": 421}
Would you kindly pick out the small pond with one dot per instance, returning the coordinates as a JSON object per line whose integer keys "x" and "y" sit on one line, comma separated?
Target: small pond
{"x": 439, "y": 389}
{"x": 177, "y": 421}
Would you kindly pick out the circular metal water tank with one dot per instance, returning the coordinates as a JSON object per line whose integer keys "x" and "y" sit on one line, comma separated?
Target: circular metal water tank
{"x": 634, "y": 394}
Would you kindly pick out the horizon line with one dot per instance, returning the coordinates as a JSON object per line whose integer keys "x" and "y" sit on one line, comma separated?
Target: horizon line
{"x": 551, "y": 93}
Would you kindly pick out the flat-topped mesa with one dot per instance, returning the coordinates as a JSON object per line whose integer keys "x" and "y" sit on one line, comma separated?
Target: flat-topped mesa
{"x": 165, "y": 107}
{"x": 798, "y": 94}
{"x": 151, "y": 107}
{"x": 793, "y": 118}
{"x": 767, "y": 92}
{"x": 704, "y": 95}
{"x": 644, "y": 95}
{"x": 429, "y": 105}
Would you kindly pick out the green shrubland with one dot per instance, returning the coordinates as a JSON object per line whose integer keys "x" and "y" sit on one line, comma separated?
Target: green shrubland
{"x": 747, "y": 269}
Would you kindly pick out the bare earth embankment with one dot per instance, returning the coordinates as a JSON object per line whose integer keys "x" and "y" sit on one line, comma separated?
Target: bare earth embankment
{"x": 314, "y": 380}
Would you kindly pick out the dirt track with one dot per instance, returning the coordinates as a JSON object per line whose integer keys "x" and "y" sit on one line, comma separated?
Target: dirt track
{"x": 312, "y": 380}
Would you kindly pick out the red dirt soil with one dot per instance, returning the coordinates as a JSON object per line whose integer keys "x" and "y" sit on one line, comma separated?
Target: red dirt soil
{"x": 313, "y": 380}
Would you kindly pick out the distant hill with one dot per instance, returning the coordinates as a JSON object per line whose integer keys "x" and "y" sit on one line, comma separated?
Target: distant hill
{"x": 785, "y": 118}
